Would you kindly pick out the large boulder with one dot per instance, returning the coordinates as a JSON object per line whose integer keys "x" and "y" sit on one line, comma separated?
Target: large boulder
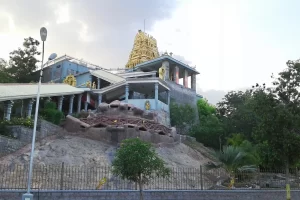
{"x": 137, "y": 111}
{"x": 83, "y": 114}
{"x": 173, "y": 132}
{"x": 103, "y": 107}
{"x": 115, "y": 104}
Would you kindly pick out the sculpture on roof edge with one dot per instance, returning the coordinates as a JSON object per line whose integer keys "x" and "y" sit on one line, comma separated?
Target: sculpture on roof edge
{"x": 144, "y": 49}
{"x": 70, "y": 80}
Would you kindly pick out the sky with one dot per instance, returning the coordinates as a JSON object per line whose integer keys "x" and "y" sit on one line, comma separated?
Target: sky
{"x": 233, "y": 44}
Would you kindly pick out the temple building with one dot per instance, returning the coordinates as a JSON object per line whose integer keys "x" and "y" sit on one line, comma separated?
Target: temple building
{"x": 149, "y": 81}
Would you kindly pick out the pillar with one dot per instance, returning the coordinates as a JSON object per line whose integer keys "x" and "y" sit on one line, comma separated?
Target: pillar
{"x": 176, "y": 74}
{"x": 169, "y": 97}
{"x": 86, "y": 106}
{"x": 126, "y": 92}
{"x": 99, "y": 99}
{"x": 185, "y": 79}
{"x": 79, "y": 103}
{"x": 98, "y": 83}
{"x": 7, "y": 109}
{"x": 60, "y": 103}
{"x": 193, "y": 82}
{"x": 166, "y": 66}
{"x": 156, "y": 96}
{"x": 29, "y": 107}
{"x": 71, "y": 103}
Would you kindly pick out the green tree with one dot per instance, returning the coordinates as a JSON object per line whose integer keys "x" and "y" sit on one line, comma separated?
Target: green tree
{"x": 279, "y": 112}
{"x": 235, "y": 114}
{"x": 23, "y": 62}
{"x": 209, "y": 130}
{"x": 233, "y": 160}
{"x": 182, "y": 117}
{"x": 137, "y": 161}
{"x": 4, "y": 76}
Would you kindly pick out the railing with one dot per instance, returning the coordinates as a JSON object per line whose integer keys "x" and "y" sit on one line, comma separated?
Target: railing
{"x": 62, "y": 177}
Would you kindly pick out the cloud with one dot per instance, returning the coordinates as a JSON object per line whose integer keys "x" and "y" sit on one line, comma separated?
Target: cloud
{"x": 101, "y": 32}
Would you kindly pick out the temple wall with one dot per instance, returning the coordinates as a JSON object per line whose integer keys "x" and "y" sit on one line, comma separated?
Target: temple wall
{"x": 183, "y": 95}
{"x": 60, "y": 70}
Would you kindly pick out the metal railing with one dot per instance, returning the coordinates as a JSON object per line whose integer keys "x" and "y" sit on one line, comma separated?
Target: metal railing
{"x": 63, "y": 177}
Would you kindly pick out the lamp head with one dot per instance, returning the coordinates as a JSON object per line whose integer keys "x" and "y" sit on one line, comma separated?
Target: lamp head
{"x": 52, "y": 56}
{"x": 43, "y": 34}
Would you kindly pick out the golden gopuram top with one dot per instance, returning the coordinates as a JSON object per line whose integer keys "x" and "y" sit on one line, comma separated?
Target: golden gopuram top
{"x": 144, "y": 49}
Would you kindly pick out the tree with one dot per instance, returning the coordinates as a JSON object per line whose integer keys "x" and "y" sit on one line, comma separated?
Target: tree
{"x": 137, "y": 161}
{"x": 279, "y": 111}
{"x": 182, "y": 117}
{"x": 233, "y": 160}
{"x": 22, "y": 62}
{"x": 235, "y": 115}
{"x": 209, "y": 129}
{"x": 4, "y": 76}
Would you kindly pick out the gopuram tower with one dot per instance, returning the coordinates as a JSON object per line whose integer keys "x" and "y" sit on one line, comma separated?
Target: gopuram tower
{"x": 144, "y": 49}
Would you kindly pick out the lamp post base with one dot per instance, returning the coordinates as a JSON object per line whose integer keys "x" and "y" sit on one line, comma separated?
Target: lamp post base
{"x": 27, "y": 196}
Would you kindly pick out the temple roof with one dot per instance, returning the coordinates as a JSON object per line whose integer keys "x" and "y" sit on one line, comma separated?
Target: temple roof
{"x": 155, "y": 64}
{"x": 26, "y": 90}
{"x": 107, "y": 76}
{"x": 144, "y": 48}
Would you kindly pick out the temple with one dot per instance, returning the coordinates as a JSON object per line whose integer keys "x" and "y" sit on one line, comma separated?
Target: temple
{"x": 149, "y": 82}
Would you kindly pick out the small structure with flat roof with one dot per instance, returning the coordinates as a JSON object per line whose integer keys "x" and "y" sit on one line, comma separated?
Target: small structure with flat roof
{"x": 9, "y": 93}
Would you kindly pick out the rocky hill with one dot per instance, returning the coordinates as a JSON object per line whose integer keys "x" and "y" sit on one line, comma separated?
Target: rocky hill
{"x": 81, "y": 151}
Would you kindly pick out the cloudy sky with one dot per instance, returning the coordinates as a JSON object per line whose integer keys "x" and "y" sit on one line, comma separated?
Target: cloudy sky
{"x": 233, "y": 43}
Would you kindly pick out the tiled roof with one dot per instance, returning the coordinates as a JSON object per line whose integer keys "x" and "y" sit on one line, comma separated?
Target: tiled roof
{"x": 25, "y": 91}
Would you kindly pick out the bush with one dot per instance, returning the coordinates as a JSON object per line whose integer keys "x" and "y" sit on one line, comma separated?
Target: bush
{"x": 50, "y": 105}
{"x": 14, "y": 121}
{"x": 51, "y": 114}
{"x": 19, "y": 121}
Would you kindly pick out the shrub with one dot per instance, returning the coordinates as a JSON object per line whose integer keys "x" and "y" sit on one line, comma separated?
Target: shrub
{"x": 50, "y": 105}
{"x": 51, "y": 114}
{"x": 14, "y": 121}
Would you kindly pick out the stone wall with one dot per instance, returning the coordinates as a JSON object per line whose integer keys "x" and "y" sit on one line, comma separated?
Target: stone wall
{"x": 9, "y": 145}
{"x": 23, "y": 136}
{"x": 115, "y": 134}
{"x": 183, "y": 95}
{"x": 155, "y": 195}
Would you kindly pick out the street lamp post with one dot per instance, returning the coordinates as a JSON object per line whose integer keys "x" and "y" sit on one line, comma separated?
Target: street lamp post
{"x": 28, "y": 195}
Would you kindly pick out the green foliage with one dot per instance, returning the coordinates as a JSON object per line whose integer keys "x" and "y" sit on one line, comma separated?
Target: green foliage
{"x": 235, "y": 114}
{"x": 4, "y": 76}
{"x": 51, "y": 114}
{"x": 50, "y": 105}
{"x": 22, "y": 62}
{"x": 209, "y": 130}
{"x": 233, "y": 160}
{"x": 236, "y": 140}
{"x": 137, "y": 161}
{"x": 182, "y": 117}
{"x": 204, "y": 108}
{"x": 267, "y": 119}
{"x": 18, "y": 121}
